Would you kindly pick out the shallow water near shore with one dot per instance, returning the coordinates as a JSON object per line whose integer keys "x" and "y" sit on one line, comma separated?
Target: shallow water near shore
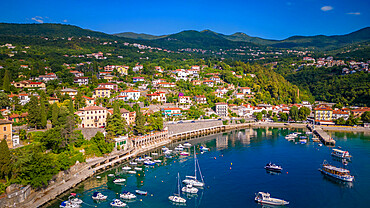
{"x": 233, "y": 172}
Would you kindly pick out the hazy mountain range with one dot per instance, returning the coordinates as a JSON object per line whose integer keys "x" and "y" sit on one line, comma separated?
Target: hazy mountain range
{"x": 205, "y": 39}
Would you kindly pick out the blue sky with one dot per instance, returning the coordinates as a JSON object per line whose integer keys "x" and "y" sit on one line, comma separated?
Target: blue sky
{"x": 274, "y": 19}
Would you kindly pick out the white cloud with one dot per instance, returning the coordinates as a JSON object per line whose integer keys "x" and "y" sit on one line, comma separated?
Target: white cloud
{"x": 326, "y": 8}
{"x": 38, "y": 19}
{"x": 65, "y": 20}
{"x": 354, "y": 13}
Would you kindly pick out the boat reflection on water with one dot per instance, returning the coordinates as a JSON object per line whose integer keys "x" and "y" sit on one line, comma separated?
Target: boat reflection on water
{"x": 189, "y": 195}
{"x": 343, "y": 184}
{"x": 341, "y": 160}
{"x": 273, "y": 172}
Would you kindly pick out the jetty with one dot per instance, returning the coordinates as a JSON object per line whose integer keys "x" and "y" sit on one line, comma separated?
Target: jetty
{"x": 322, "y": 135}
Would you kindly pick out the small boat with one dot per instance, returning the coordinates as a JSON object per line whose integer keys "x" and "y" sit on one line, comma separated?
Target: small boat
{"x": 111, "y": 175}
{"x": 185, "y": 153}
{"x": 189, "y": 189}
{"x": 139, "y": 169}
{"x": 139, "y": 159}
{"x": 264, "y": 198}
{"x": 320, "y": 145}
{"x": 68, "y": 204}
{"x": 177, "y": 197}
{"x": 192, "y": 180}
{"x": 202, "y": 148}
{"x": 117, "y": 203}
{"x": 308, "y": 132}
{"x": 127, "y": 195}
{"x": 149, "y": 162}
{"x": 167, "y": 152}
{"x": 119, "y": 180}
{"x": 133, "y": 163}
{"x": 131, "y": 172}
{"x": 273, "y": 167}
{"x": 148, "y": 158}
{"x": 74, "y": 200}
{"x": 341, "y": 154}
{"x": 154, "y": 154}
{"x": 187, "y": 144}
{"x": 179, "y": 148}
{"x": 141, "y": 192}
{"x": 98, "y": 196}
{"x": 303, "y": 141}
{"x": 335, "y": 172}
{"x": 157, "y": 161}
{"x": 164, "y": 148}
{"x": 98, "y": 177}
{"x": 126, "y": 168}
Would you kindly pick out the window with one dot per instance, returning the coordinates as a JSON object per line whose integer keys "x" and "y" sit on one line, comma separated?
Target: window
{"x": 4, "y": 128}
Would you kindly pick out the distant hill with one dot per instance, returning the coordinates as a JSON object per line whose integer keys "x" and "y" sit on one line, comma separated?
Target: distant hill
{"x": 49, "y": 30}
{"x": 139, "y": 36}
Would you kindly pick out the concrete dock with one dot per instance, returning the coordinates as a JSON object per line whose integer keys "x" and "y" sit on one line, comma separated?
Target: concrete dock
{"x": 322, "y": 135}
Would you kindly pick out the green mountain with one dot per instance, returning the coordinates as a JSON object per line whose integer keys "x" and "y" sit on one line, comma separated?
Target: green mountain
{"x": 138, "y": 36}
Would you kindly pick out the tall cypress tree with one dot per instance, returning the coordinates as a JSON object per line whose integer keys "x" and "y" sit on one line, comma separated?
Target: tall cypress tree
{"x": 33, "y": 112}
{"x": 115, "y": 123}
{"x": 140, "y": 123}
{"x": 54, "y": 114}
{"x": 6, "y": 81}
{"x": 43, "y": 115}
{"x": 5, "y": 159}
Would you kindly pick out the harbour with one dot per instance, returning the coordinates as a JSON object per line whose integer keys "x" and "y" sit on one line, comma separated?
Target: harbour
{"x": 234, "y": 159}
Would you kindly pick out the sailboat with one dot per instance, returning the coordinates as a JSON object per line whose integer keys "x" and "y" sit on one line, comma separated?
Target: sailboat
{"x": 192, "y": 180}
{"x": 177, "y": 197}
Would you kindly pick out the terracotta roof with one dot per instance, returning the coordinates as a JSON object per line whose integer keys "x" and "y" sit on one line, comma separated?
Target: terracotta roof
{"x": 3, "y": 121}
{"x": 221, "y": 103}
{"x": 87, "y": 98}
{"x": 102, "y": 88}
{"x": 323, "y": 109}
{"x": 171, "y": 108}
{"x": 92, "y": 108}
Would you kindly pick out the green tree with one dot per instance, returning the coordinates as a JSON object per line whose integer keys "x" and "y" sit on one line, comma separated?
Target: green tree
{"x": 365, "y": 117}
{"x": 5, "y": 160}
{"x": 43, "y": 114}
{"x": 293, "y": 113}
{"x": 6, "y": 81}
{"x": 140, "y": 123}
{"x": 115, "y": 123}
{"x": 259, "y": 116}
{"x": 54, "y": 114}
{"x": 4, "y": 100}
{"x": 283, "y": 116}
{"x": 33, "y": 112}
{"x": 303, "y": 112}
{"x": 102, "y": 145}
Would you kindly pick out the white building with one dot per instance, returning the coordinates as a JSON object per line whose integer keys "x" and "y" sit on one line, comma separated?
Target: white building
{"x": 222, "y": 109}
{"x": 130, "y": 94}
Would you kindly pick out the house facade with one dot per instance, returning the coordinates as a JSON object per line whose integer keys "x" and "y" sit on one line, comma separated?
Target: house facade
{"x": 92, "y": 117}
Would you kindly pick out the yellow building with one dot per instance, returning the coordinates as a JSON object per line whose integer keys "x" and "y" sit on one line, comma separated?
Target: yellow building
{"x": 92, "y": 117}
{"x": 6, "y": 132}
{"x": 101, "y": 92}
{"x": 323, "y": 114}
{"x": 123, "y": 70}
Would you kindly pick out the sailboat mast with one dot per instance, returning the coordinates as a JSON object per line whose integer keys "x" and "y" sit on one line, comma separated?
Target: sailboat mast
{"x": 195, "y": 164}
{"x": 178, "y": 183}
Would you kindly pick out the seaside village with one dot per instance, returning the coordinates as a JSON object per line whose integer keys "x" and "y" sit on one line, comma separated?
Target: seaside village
{"x": 120, "y": 110}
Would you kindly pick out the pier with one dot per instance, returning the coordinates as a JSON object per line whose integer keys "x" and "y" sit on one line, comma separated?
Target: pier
{"x": 323, "y": 136}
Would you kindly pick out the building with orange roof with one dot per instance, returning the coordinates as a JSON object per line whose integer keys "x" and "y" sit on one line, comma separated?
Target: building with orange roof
{"x": 6, "y": 132}
{"x": 130, "y": 94}
{"x": 92, "y": 117}
{"x": 100, "y": 92}
{"x": 158, "y": 96}
{"x": 323, "y": 113}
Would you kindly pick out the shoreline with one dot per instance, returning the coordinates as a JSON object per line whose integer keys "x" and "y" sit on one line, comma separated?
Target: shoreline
{"x": 52, "y": 192}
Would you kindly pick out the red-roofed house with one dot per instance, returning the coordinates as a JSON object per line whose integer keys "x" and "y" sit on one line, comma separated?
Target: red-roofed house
{"x": 130, "y": 94}
{"x": 111, "y": 86}
{"x": 92, "y": 117}
{"x": 185, "y": 100}
{"x": 158, "y": 96}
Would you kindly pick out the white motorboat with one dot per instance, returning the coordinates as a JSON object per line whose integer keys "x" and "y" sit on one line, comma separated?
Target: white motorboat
{"x": 272, "y": 167}
{"x": 203, "y": 148}
{"x": 185, "y": 153}
{"x": 177, "y": 196}
{"x": 149, "y": 162}
{"x": 98, "y": 196}
{"x": 133, "y": 163}
{"x": 341, "y": 154}
{"x": 74, "y": 200}
{"x": 167, "y": 152}
{"x": 164, "y": 148}
{"x": 154, "y": 154}
{"x": 117, "y": 203}
{"x": 139, "y": 159}
{"x": 335, "y": 172}
{"x": 126, "y": 168}
{"x": 320, "y": 145}
{"x": 98, "y": 177}
{"x": 137, "y": 168}
{"x": 264, "y": 198}
{"x": 148, "y": 158}
{"x": 68, "y": 204}
{"x": 192, "y": 180}
{"x": 127, "y": 195}
{"x": 157, "y": 161}
{"x": 111, "y": 175}
{"x": 179, "y": 148}
{"x": 187, "y": 145}
{"x": 141, "y": 192}
{"x": 131, "y": 172}
{"x": 119, "y": 180}
{"x": 189, "y": 189}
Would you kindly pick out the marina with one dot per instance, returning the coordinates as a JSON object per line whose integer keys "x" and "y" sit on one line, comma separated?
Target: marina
{"x": 224, "y": 169}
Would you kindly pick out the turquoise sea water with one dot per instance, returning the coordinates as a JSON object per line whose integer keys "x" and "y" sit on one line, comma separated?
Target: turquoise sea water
{"x": 233, "y": 172}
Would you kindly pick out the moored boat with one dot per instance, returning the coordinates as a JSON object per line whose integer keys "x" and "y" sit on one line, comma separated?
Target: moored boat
{"x": 264, "y": 198}
{"x": 119, "y": 180}
{"x": 272, "y": 167}
{"x": 127, "y": 195}
{"x": 117, "y": 203}
{"x": 189, "y": 189}
{"x": 177, "y": 196}
{"x": 138, "y": 169}
{"x": 126, "y": 168}
{"x": 335, "y": 172}
{"x": 157, "y": 161}
{"x": 131, "y": 172}
{"x": 192, "y": 180}
{"x": 149, "y": 162}
{"x": 203, "y": 148}
{"x": 133, "y": 163}
{"x": 98, "y": 196}
{"x": 141, "y": 192}
{"x": 341, "y": 154}
{"x": 187, "y": 145}
{"x": 185, "y": 153}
